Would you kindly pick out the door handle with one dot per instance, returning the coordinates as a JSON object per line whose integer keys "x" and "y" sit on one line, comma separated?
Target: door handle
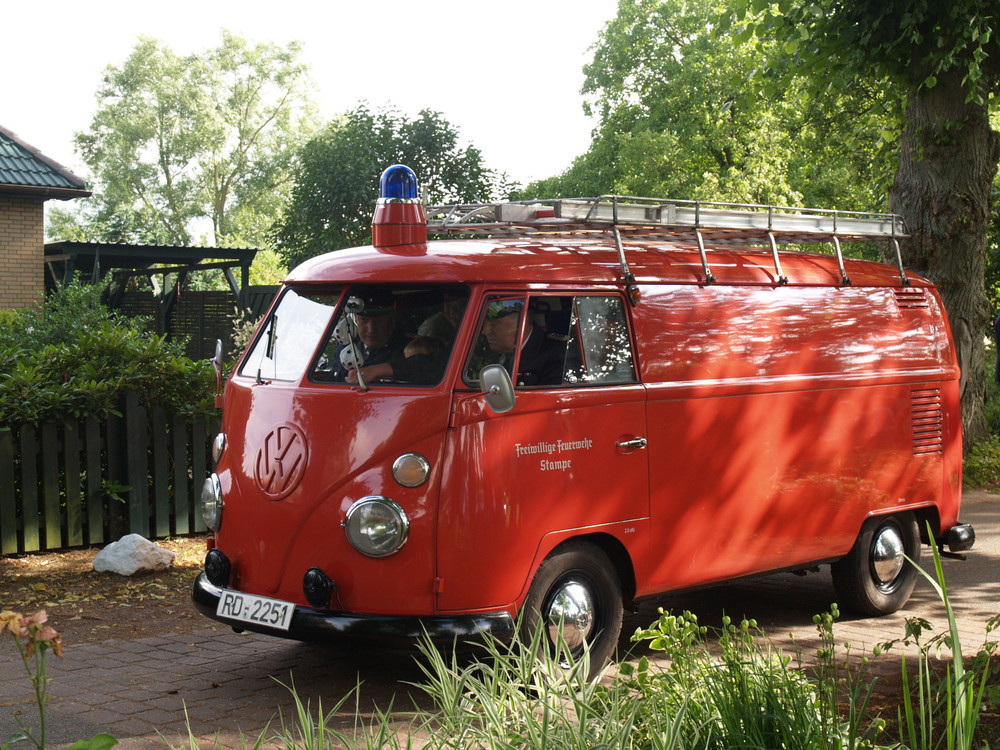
{"x": 628, "y": 445}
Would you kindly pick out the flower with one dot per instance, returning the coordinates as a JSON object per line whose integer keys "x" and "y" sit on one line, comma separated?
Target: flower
{"x": 33, "y": 630}
{"x": 10, "y": 621}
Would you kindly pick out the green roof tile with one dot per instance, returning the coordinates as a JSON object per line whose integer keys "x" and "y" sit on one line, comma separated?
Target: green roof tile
{"x": 23, "y": 166}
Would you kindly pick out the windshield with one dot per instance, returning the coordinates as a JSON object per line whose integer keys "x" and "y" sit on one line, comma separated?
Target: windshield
{"x": 289, "y": 337}
{"x": 391, "y": 334}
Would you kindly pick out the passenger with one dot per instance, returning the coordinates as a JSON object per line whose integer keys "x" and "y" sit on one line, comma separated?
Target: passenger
{"x": 542, "y": 355}
{"x": 444, "y": 324}
{"x": 429, "y": 345}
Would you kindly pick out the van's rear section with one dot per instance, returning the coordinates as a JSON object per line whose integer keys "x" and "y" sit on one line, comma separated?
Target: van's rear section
{"x": 585, "y": 403}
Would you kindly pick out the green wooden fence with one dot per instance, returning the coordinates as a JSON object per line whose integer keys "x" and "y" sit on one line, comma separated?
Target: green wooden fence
{"x": 90, "y": 481}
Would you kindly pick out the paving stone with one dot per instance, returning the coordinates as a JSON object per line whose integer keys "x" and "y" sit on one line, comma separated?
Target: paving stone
{"x": 229, "y": 683}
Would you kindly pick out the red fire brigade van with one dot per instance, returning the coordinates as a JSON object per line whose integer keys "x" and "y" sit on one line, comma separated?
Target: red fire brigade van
{"x": 581, "y": 404}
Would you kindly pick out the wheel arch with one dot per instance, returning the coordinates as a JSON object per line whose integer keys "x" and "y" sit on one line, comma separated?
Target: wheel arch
{"x": 616, "y": 552}
{"x": 924, "y": 515}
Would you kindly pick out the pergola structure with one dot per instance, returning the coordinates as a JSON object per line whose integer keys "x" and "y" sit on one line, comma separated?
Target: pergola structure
{"x": 96, "y": 261}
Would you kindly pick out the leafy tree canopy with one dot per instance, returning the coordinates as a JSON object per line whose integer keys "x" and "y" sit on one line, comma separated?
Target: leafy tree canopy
{"x": 337, "y": 179}
{"x": 678, "y": 118}
{"x": 187, "y": 144}
{"x": 943, "y": 60}
{"x": 915, "y": 43}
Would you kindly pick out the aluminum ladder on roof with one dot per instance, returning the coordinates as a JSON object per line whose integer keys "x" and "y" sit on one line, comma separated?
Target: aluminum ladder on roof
{"x": 693, "y": 221}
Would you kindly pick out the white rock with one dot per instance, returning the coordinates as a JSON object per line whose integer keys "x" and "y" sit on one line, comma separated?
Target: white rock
{"x": 133, "y": 554}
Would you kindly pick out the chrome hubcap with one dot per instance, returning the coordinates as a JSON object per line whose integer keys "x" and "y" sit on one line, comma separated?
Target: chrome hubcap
{"x": 570, "y": 614}
{"x": 887, "y": 556}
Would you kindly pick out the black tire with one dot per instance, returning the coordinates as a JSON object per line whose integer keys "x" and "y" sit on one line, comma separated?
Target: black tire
{"x": 576, "y": 573}
{"x": 873, "y": 579}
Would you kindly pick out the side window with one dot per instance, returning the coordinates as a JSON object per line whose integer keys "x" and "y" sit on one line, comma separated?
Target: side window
{"x": 554, "y": 340}
{"x": 599, "y": 350}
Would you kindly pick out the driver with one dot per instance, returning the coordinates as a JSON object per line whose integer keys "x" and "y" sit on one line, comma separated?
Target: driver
{"x": 381, "y": 348}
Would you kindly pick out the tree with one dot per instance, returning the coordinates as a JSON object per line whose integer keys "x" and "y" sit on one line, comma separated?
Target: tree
{"x": 202, "y": 139}
{"x": 943, "y": 60}
{"x": 337, "y": 184}
{"x": 675, "y": 119}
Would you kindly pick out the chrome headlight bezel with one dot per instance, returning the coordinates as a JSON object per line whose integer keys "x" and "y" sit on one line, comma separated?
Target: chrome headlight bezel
{"x": 376, "y": 526}
{"x": 218, "y": 447}
{"x": 411, "y": 470}
{"x": 211, "y": 502}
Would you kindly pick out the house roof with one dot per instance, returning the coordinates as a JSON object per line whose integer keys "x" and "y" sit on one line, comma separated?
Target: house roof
{"x": 27, "y": 171}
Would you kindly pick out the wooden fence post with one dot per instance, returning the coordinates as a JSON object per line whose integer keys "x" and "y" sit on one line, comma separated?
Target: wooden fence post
{"x": 137, "y": 465}
{"x": 29, "y": 487}
{"x": 8, "y": 495}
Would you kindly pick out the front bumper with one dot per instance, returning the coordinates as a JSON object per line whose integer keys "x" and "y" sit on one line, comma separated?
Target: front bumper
{"x": 315, "y": 625}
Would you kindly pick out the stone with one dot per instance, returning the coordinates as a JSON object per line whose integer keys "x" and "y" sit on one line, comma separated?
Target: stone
{"x": 133, "y": 554}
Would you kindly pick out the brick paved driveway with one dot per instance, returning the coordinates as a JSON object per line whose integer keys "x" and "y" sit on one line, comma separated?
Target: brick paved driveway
{"x": 230, "y": 684}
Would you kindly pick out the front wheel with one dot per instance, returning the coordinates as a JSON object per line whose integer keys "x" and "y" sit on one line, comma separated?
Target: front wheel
{"x": 875, "y": 578}
{"x": 576, "y": 597}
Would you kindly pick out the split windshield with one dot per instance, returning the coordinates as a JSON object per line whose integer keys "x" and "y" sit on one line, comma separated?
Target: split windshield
{"x": 392, "y": 334}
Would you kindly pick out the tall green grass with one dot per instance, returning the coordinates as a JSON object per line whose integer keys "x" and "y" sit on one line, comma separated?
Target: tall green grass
{"x": 942, "y": 711}
{"x": 708, "y": 689}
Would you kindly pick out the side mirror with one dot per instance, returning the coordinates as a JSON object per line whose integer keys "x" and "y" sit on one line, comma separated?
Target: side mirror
{"x": 217, "y": 363}
{"x": 496, "y": 385}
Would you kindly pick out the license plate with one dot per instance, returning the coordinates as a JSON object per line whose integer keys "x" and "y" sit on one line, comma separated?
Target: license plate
{"x": 255, "y": 610}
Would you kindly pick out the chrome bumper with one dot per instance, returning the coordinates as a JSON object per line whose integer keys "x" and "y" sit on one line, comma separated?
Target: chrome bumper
{"x": 315, "y": 625}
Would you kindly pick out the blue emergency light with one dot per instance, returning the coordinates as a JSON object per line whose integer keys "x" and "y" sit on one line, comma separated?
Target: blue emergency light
{"x": 398, "y": 183}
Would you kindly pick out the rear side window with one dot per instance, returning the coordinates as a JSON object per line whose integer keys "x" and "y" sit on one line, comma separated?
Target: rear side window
{"x": 554, "y": 340}
{"x": 599, "y": 350}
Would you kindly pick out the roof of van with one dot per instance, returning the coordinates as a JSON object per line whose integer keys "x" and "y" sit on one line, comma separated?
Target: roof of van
{"x": 567, "y": 260}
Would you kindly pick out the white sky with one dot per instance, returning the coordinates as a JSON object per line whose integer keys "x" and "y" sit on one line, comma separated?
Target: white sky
{"x": 506, "y": 74}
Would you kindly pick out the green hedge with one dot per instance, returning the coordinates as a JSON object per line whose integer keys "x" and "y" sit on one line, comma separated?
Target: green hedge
{"x": 73, "y": 357}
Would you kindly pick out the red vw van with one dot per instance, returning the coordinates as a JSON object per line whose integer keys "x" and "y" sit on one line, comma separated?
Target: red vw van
{"x": 581, "y": 404}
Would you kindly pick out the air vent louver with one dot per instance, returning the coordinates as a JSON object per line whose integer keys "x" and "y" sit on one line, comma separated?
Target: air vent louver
{"x": 910, "y": 298}
{"x": 928, "y": 421}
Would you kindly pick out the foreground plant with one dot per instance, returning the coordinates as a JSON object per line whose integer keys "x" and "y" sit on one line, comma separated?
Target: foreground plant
{"x": 943, "y": 713}
{"x": 737, "y": 690}
{"x": 34, "y": 638}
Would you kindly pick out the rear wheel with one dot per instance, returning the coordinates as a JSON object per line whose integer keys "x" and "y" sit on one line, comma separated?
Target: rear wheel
{"x": 874, "y": 578}
{"x": 576, "y": 597}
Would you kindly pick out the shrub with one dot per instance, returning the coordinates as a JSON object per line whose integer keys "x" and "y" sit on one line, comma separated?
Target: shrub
{"x": 982, "y": 464}
{"x": 73, "y": 357}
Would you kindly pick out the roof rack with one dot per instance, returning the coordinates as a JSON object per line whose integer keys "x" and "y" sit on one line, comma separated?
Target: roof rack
{"x": 692, "y": 221}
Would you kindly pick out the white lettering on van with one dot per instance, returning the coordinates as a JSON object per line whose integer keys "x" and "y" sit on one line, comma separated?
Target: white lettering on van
{"x": 534, "y": 448}
{"x": 547, "y": 465}
{"x": 543, "y": 447}
{"x": 575, "y": 445}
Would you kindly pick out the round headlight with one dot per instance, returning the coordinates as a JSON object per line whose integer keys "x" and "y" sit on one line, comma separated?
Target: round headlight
{"x": 218, "y": 446}
{"x": 211, "y": 502}
{"x": 376, "y": 526}
{"x": 411, "y": 470}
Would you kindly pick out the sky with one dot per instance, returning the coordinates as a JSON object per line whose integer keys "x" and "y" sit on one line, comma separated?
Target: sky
{"x": 506, "y": 74}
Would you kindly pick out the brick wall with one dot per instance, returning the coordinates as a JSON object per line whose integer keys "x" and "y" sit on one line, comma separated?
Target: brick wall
{"x": 22, "y": 240}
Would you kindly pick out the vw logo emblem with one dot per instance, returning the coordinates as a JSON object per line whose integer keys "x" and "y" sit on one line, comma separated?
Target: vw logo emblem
{"x": 281, "y": 462}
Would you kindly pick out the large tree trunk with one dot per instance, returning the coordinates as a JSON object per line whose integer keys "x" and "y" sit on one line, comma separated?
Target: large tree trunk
{"x": 942, "y": 189}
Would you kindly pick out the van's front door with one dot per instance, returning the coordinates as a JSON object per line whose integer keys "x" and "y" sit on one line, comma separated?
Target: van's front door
{"x": 568, "y": 460}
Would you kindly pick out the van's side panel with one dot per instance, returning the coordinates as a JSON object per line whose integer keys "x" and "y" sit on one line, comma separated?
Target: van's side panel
{"x": 780, "y": 417}
{"x": 550, "y": 465}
